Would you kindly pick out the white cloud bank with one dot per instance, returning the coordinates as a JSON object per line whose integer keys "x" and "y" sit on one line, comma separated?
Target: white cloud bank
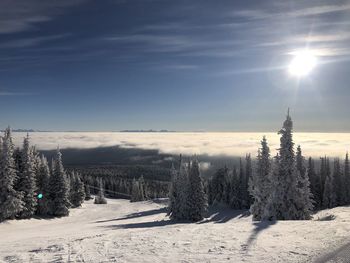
{"x": 231, "y": 144}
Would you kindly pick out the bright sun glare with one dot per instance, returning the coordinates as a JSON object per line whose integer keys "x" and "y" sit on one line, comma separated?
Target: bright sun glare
{"x": 302, "y": 63}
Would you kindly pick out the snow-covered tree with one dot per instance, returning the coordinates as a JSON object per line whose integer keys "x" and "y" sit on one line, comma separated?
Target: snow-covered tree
{"x": 196, "y": 201}
{"x": 315, "y": 184}
{"x": 218, "y": 186}
{"x": 100, "y": 197}
{"x": 347, "y": 179}
{"x": 27, "y": 181}
{"x": 87, "y": 191}
{"x": 180, "y": 210}
{"x": 77, "y": 191}
{"x": 173, "y": 192}
{"x": 329, "y": 198}
{"x": 135, "y": 191}
{"x": 248, "y": 176}
{"x": 304, "y": 200}
{"x": 338, "y": 183}
{"x": 143, "y": 188}
{"x": 10, "y": 200}
{"x": 43, "y": 179}
{"x": 58, "y": 188}
{"x": 259, "y": 183}
{"x": 284, "y": 201}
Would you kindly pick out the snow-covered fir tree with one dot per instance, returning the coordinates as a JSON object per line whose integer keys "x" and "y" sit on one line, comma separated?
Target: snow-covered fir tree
{"x": 338, "y": 183}
{"x": 347, "y": 179}
{"x": 100, "y": 197}
{"x": 173, "y": 191}
{"x": 77, "y": 190}
{"x": 248, "y": 176}
{"x": 43, "y": 179}
{"x": 58, "y": 188}
{"x": 259, "y": 184}
{"x": 284, "y": 200}
{"x": 315, "y": 184}
{"x": 87, "y": 191}
{"x": 10, "y": 200}
{"x": 329, "y": 198}
{"x": 218, "y": 186}
{"x": 135, "y": 191}
{"x": 196, "y": 201}
{"x": 180, "y": 210}
{"x": 27, "y": 181}
{"x": 304, "y": 199}
{"x": 143, "y": 188}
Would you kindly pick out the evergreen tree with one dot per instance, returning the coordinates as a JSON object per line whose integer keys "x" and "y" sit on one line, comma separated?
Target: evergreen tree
{"x": 329, "y": 198}
{"x": 347, "y": 180}
{"x": 10, "y": 200}
{"x": 284, "y": 200}
{"x": 58, "y": 188}
{"x": 135, "y": 191}
{"x": 100, "y": 198}
{"x": 234, "y": 199}
{"x": 196, "y": 201}
{"x": 218, "y": 186}
{"x": 304, "y": 200}
{"x": 242, "y": 190}
{"x": 173, "y": 192}
{"x": 43, "y": 179}
{"x": 78, "y": 191}
{"x": 248, "y": 176}
{"x": 180, "y": 211}
{"x": 315, "y": 184}
{"x": 338, "y": 183}
{"x": 259, "y": 184}
{"x": 87, "y": 191}
{"x": 143, "y": 188}
{"x": 27, "y": 181}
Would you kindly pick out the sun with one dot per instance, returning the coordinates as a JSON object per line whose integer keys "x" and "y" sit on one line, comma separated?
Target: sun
{"x": 302, "y": 64}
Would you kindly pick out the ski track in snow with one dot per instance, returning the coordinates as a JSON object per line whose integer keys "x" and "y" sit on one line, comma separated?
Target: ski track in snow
{"x": 141, "y": 232}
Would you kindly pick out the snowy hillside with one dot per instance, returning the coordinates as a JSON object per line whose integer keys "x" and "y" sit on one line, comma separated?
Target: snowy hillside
{"x": 141, "y": 232}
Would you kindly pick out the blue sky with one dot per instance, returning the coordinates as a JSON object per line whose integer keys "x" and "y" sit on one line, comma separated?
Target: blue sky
{"x": 177, "y": 65}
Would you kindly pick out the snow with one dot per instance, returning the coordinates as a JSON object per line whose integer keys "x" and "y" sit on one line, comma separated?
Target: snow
{"x": 141, "y": 232}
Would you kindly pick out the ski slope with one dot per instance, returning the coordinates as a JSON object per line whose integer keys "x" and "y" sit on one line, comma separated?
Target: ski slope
{"x": 141, "y": 232}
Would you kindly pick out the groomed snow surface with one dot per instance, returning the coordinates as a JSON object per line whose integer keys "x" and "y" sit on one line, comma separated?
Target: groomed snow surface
{"x": 141, "y": 232}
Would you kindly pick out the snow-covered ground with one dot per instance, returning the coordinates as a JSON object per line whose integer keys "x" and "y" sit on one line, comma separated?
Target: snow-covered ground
{"x": 141, "y": 232}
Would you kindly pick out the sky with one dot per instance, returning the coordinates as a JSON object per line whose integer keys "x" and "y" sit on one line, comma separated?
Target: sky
{"x": 196, "y": 65}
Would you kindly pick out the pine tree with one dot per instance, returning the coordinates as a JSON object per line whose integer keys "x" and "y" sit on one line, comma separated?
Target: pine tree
{"x": 143, "y": 188}
{"x": 100, "y": 198}
{"x": 284, "y": 201}
{"x": 248, "y": 176}
{"x": 304, "y": 200}
{"x": 173, "y": 192}
{"x": 180, "y": 211}
{"x": 242, "y": 190}
{"x": 87, "y": 191}
{"x": 259, "y": 184}
{"x": 58, "y": 188}
{"x": 135, "y": 191}
{"x": 78, "y": 191}
{"x": 329, "y": 198}
{"x": 234, "y": 199}
{"x": 43, "y": 179}
{"x": 196, "y": 201}
{"x": 338, "y": 183}
{"x": 315, "y": 184}
{"x": 218, "y": 186}
{"x": 347, "y": 179}
{"x": 10, "y": 199}
{"x": 27, "y": 181}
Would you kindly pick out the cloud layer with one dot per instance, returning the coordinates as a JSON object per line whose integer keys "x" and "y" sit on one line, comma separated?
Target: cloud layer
{"x": 230, "y": 144}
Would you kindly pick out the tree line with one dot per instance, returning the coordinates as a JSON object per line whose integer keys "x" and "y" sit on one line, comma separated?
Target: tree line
{"x": 30, "y": 186}
{"x": 283, "y": 187}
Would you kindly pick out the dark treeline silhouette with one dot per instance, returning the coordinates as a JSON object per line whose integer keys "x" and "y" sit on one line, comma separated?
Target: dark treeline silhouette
{"x": 29, "y": 186}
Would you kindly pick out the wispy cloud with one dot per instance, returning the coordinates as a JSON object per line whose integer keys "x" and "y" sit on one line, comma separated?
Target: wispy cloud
{"x": 22, "y": 15}
{"x": 8, "y": 93}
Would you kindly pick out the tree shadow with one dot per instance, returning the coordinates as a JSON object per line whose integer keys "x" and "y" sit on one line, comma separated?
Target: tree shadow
{"x": 136, "y": 215}
{"x": 223, "y": 215}
{"x": 259, "y": 227}
{"x": 149, "y": 224}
